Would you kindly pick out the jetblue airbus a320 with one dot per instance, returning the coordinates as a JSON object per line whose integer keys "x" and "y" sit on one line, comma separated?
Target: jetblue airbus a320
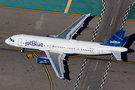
{"x": 58, "y": 46}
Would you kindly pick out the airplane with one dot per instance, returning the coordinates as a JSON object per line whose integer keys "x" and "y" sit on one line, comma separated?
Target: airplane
{"x": 58, "y": 46}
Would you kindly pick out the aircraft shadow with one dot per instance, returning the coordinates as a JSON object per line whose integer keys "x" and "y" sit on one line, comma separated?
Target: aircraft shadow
{"x": 84, "y": 26}
{"x": 66, "y": 74}
{"x": 130, "y": 41}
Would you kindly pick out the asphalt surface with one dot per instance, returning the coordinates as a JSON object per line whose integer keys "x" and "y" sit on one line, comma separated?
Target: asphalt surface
{"x": 120, "y": 76}
{"x": 19, "y": 72}
{"x": 28, "y": 74}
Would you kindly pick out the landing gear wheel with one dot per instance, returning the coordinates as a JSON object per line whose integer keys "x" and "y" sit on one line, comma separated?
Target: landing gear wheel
{"x": 22, "y": 49}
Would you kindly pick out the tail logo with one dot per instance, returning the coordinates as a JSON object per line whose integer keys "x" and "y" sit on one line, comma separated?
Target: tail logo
{"x": 116, "y": 39}
{"x": 116, "y": 42}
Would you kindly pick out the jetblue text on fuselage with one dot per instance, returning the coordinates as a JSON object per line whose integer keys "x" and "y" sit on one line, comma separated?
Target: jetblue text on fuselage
{"x": 33, "y": 43}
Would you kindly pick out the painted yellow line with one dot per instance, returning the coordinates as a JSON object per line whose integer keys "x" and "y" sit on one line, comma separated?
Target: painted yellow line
{"x": 50, "y": 80}
{"x": 29, "y": 9}
{"x": 48, "y": 76}
{"x": 130, "y": 20}
{"x": 35, "y": 54}
{"x": 20, "y": 51}
{"x": 101, "y": 59}
{"x": 51, "y": 12}
{"x": 97, "y": 16}
{"x": 68, "y": 5}
{"x": 40, "y": 10}
{"x": 123, "y": 62}
{"x": 29, "y": 56}
{"x": 83, "y": 57}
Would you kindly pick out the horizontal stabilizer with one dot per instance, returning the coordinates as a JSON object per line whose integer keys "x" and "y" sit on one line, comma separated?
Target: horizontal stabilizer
{"x": 117, "y": 55}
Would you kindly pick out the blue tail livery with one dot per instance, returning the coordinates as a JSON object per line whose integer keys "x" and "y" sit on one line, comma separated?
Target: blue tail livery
{"x": 116, "y": 39}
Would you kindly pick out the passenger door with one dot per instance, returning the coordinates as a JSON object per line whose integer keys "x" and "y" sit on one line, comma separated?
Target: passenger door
{"x": 100, "y": 50}
{"x": 19, "y": 42}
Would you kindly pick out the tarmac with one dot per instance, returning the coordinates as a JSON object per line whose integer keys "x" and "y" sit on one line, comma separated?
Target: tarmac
{"x": 17, "y": 71}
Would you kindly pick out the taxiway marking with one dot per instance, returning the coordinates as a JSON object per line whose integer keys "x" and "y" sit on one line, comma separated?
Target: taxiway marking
{"x": 68, "y": 5}
{"x": 95, "y": 66}
{"x": 88, "y": 87}
{"x": 48, "y": 74}
{"x": 69, "y": 56}
{"x": 111, "y": 21}
{"x": 42, "y": 11}
{"x": 50, "y": 11}
{"x": 118, "y": 1}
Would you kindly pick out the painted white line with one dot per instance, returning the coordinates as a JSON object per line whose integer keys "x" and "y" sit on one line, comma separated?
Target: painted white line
{"x": 118, "y": 1}
{"x": 88, "y": 87}
{"x": 95, "y": 66}
{"x": 112, "y": 21}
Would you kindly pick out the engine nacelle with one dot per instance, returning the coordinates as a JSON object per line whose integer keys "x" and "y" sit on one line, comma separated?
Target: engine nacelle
{"x": 43, "y": 60}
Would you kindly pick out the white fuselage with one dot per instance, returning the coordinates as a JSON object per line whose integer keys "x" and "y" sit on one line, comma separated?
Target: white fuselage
{"x": 61, "y": 45}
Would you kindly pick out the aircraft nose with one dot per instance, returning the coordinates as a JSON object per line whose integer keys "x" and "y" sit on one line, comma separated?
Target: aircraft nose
{"x": 7, "y": 41}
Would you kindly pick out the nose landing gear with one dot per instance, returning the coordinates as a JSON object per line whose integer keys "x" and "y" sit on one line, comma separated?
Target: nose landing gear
{"x": 22, "y": 49}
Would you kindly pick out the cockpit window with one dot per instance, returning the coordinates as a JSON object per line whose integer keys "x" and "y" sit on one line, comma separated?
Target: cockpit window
{"x": 11, "y": 39}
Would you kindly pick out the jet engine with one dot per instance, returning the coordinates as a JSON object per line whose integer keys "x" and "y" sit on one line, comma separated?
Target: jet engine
{"x": 43, "y": 60}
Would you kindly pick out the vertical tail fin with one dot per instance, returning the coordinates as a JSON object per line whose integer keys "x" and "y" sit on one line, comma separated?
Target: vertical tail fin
{"x": 116, "y": 39}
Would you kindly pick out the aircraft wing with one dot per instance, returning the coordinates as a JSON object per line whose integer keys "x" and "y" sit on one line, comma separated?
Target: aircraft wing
{"x": 56, "y": 60}
{"x": 70, "y": 31}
